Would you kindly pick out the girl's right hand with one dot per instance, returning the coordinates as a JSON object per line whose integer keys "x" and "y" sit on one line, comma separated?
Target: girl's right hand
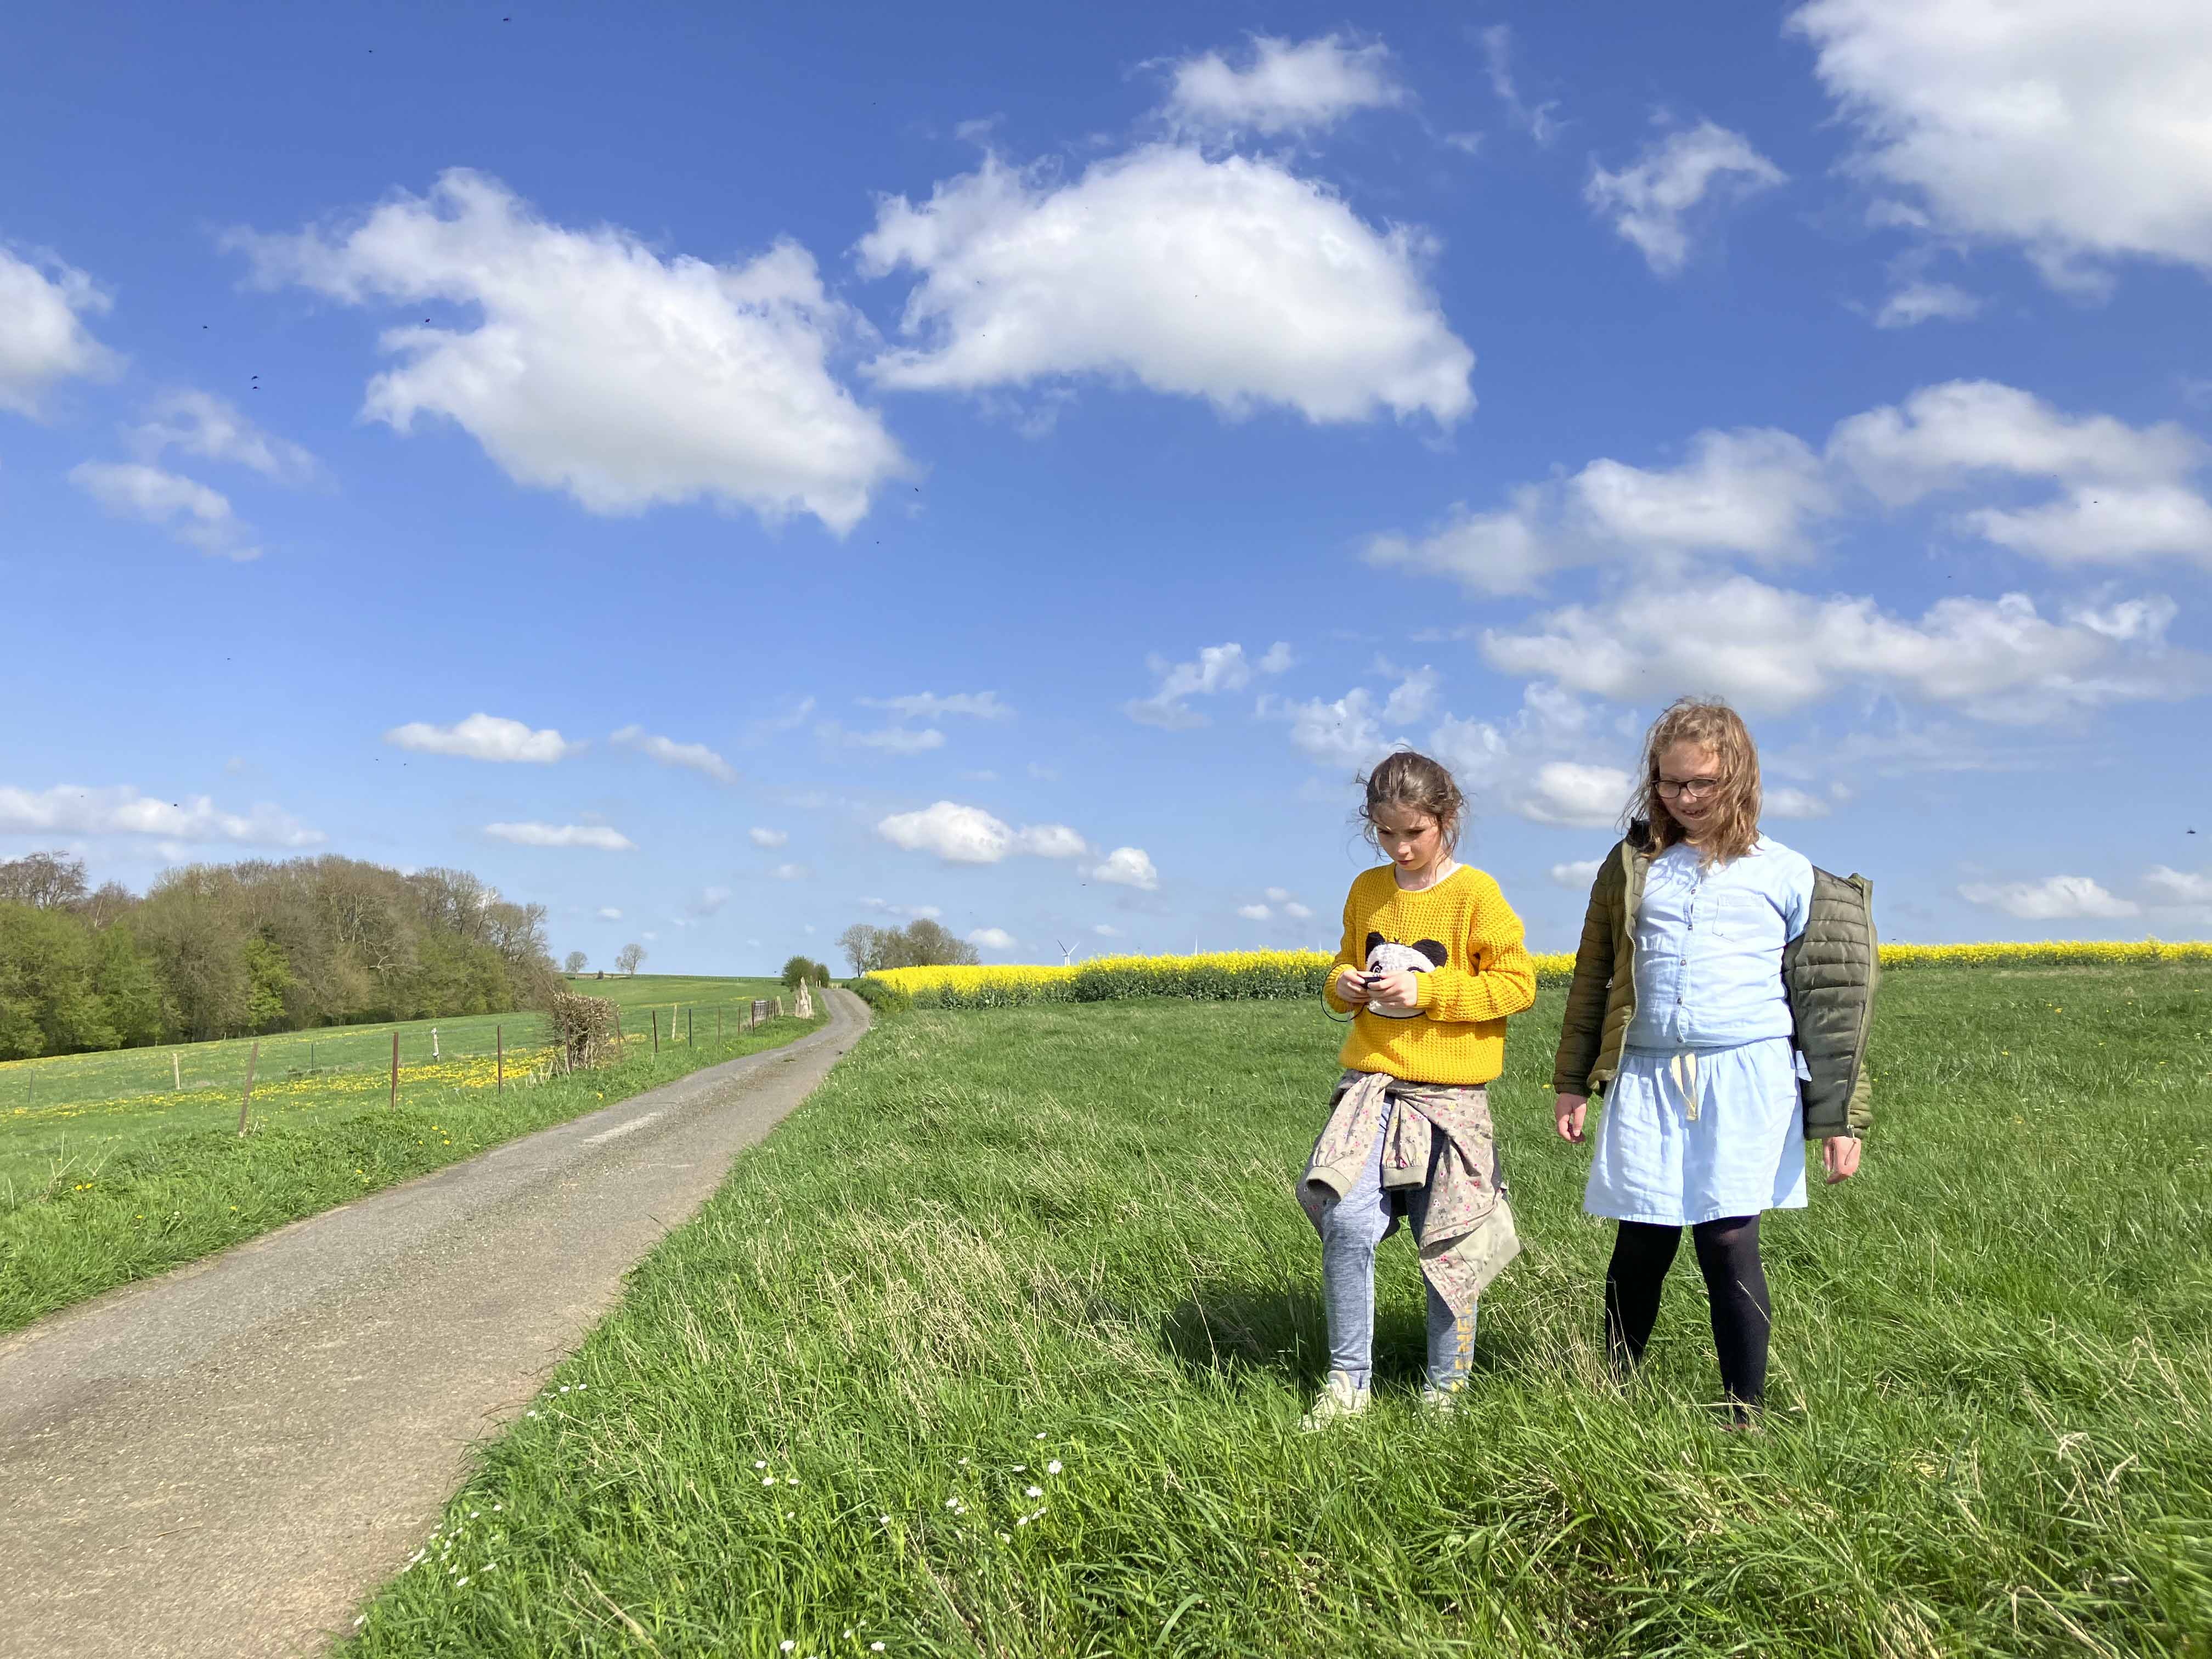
{"x": 1351, "y": 985}
{"x": 1567, "y": 1113}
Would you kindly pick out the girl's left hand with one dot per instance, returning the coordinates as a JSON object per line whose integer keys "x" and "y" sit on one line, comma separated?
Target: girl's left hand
{"x": 1841, "y": 1154}
{"x": 1402, "y": 990}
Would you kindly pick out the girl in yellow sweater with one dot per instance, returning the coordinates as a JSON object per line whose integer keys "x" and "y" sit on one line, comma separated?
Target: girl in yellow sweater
{"x": 1431, "y": 964}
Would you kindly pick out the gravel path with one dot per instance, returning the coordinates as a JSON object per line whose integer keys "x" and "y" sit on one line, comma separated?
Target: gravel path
{"x": 225, "y": 1460}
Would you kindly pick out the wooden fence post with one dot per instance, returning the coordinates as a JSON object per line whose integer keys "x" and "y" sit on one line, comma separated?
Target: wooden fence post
{"x": 176, "y": 1072}
{"x": 499, "y": 1048}
{"x": 656, "y": 1034}
{"x": 246, "y": 1100}
{"x": 394, "y": 1100}
{"x": 687, "y": 1028}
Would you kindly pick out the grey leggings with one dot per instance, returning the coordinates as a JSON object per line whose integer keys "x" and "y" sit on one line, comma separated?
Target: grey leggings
{"x": 1351, "y": 1228}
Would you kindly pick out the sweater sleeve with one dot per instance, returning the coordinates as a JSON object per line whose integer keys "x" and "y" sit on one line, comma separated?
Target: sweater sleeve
{"x": 1503, "y": 980}
{"x": 1348, "y": 955}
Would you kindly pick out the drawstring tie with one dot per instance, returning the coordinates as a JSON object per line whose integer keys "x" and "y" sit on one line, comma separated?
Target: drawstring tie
{"x": 1683, "y": 1068}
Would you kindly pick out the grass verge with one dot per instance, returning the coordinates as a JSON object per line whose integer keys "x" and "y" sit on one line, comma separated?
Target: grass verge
{"x": 112, "y": 1210}
{"x": 999, "y": 1346}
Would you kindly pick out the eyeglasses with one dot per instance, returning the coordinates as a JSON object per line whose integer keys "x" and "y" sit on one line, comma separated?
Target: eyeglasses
{"x": 1688, "y": 788}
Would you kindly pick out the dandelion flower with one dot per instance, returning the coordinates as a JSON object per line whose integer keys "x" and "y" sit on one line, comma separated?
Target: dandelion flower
{"x": 951, "y": 1503}
{"x": 760, "y": 1462}
{"x": 768, "y": 1480}
{"x": 875, "y": 1647}
{"x": 790, "y": 1480}
{"x": 1039, "y": 1437}
{"x": 785, "y": 1646}
{"x": 1033, "y": 1492}
{"x": 1053, "y": 1467}
{"x": 1019, "y": 1467}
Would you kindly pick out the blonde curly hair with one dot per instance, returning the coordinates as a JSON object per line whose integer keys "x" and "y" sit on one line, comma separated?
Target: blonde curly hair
{"x": 1712, "y": 724}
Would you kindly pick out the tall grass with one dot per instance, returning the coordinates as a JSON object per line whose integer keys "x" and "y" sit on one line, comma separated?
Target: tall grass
{"x": 1055, "y": 1247}
{"x": 83, "y": 1213}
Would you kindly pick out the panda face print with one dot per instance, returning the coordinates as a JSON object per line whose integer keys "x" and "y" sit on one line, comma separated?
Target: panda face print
{"x": 1387, "y": 956}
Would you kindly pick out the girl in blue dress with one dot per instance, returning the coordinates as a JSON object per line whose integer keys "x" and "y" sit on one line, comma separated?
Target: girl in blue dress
{"x": 1679, "y": 1014}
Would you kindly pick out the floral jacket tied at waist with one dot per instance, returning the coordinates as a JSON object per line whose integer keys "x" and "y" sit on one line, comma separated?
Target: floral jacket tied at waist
{"x": 1440, "y": 1135}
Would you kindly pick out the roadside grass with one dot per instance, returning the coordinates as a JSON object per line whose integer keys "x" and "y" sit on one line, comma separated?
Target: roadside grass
{"x": 999, "y": 1346}
{"x": 56, "y": 1088}
{"x": 91, "y": 1201}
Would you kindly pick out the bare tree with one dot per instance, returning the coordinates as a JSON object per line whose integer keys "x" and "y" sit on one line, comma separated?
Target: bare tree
{"x": 575, "y": 962}
{"x": 44, "y": 881}
{"x": 628, "y": 957}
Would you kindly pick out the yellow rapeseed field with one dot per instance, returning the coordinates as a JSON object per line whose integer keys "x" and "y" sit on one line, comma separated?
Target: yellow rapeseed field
{"x": 1234, "y": 975}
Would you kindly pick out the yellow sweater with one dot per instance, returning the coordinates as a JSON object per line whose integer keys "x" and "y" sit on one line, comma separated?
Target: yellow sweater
{"x": 1464, "y": 940}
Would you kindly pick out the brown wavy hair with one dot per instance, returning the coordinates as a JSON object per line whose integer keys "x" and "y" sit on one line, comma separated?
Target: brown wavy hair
{"x": 1408, "y": 780}
{"x": 1718, "y": 727}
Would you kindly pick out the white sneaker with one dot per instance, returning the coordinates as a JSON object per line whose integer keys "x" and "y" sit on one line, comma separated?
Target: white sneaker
{"x": 1340, "y": 1397}
{"x": 1442, "y": 1403}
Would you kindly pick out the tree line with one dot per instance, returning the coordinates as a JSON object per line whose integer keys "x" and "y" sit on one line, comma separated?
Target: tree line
{"x": 217, "y": 951}
{"x": 920, "y": 944}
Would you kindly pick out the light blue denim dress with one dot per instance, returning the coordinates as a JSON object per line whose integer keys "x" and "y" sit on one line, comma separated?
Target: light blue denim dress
{"x": 1704, "y": 1120}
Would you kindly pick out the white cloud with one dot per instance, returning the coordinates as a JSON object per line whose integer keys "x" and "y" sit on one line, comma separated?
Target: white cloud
{"x": 1768, "y": 648}
{"x": 1498, "y": 59}
{"x": 1230, "y": 279}
{"x": 968, "y": 835}
{"x": 1219, "y": 668}
{"x": 920, "y": 912}
{"x": 1578, "y": 876}
{"x": 608, "y": 912}
{"x": 1573, "y": 792}
{"x": 190, "y": 510}
{"x": 710, "y": 901}
{"x": 768, "y": 837}
{"x": 43, "y": 338}
{"x": 1945, "y": 436}
{"x": 1127, "y": 867}
{"x": 895, "y": 740}
{"x": 121, "y": 809}
{"x": 1352, "y": 730}
{"x": 200, "y": 424}
{"x": 600, "y": 367}
{"x": 1278, "y": 895}
{"x": 2077, "y": 133}
{"x": 1106, "y": 930}
{"x": 2055, "y": 898}
{"x": 2104, "y": 524}
{"x": 695, "y": 756}
{"x": 929, "y": 706}
{"x": 562, "y": 835}
{"x": 1284, "y": 87}
{"x": 1254, "y": 912}
{"x": 791, "y": 873}
{"x": 1918, "y": 302}
{"x": 1788, "y": 802}
{"x": 485, "y": 738}
{"x": 1753, "y": 491}
{"x": 2169, "y": 886}
{"x": 1649, "y": 201}
{"x": 993, "y": 939}
{"x": 1296, "y": 911}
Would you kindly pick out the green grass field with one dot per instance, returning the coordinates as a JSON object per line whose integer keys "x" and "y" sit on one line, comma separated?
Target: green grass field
{"x": 115, "y": 1182}
{"x": 999, "y": 1347}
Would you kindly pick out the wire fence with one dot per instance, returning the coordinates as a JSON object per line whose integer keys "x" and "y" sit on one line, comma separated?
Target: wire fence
{"x": 473, "y": 1051}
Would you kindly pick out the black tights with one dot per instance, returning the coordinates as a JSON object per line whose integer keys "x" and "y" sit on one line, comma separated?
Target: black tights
{"x": 1735, "y": 1282}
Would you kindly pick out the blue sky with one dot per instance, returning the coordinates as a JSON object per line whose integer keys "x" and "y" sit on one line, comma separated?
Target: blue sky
{"x": 730, "y": 477}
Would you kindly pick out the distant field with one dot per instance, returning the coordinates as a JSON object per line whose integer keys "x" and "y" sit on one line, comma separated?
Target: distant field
{"x": 99, "y": 1082}
{"x": 998, "y": 1346}
{"x": 122, "y": 1175}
